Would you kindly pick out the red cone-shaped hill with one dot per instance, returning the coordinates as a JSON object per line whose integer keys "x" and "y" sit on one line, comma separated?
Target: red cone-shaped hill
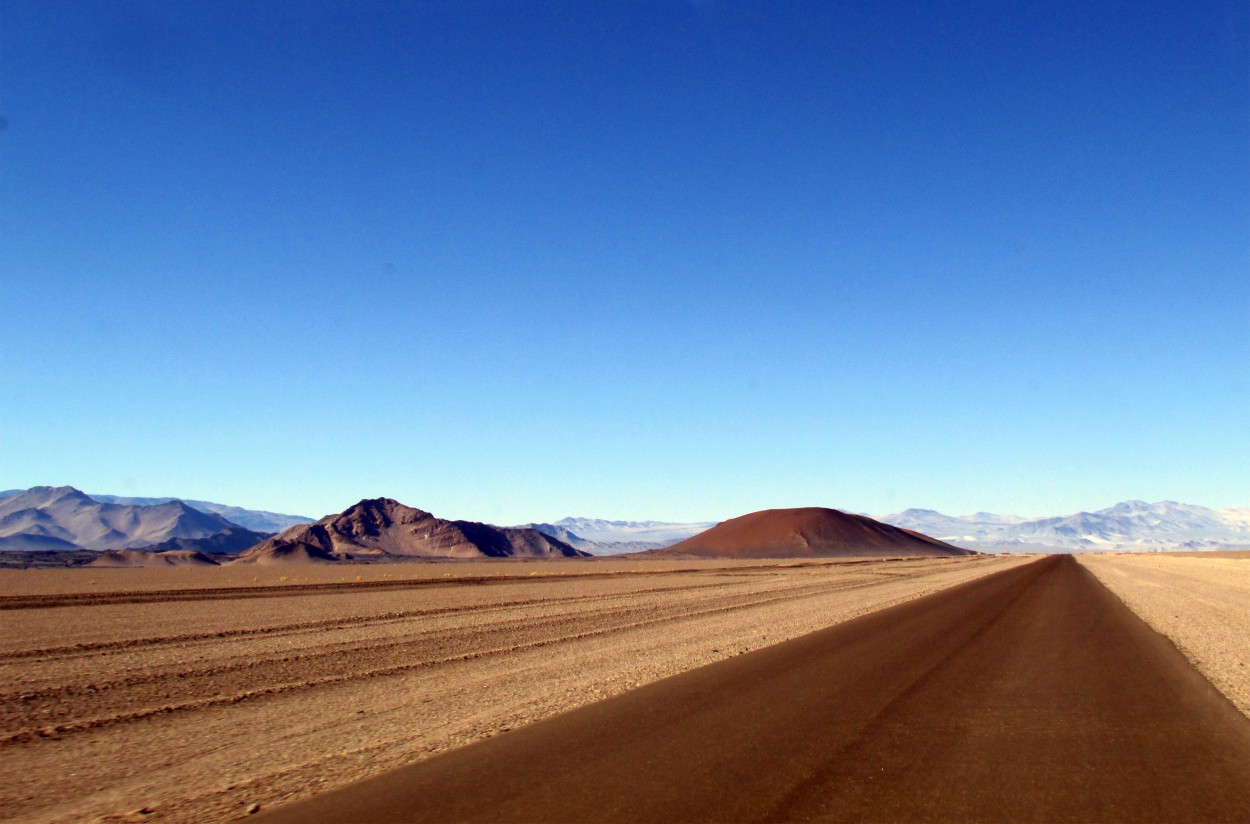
{"x": 809, "y": 532}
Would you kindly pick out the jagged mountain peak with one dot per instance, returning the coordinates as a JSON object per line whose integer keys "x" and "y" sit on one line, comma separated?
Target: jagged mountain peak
{"x": 384, "y": 527}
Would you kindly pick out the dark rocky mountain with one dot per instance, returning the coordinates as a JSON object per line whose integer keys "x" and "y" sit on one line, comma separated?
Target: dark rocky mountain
{"x": 384, "y": 528}
{"x": 51, "y": 559}
{"x": 809, "y": 532}
{"x": 43, "y": 515}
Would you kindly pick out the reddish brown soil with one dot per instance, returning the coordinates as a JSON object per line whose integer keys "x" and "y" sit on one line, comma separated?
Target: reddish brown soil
{"x": 809, "y": 532}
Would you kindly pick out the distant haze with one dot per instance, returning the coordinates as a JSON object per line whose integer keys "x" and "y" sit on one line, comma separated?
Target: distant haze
{"x": 604, "y": 537}
{"x": 1127, "y": 525}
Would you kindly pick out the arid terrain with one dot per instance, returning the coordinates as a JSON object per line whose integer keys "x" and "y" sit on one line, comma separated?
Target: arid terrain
{"x": 1201, "y": 601}
{"x": 1032, "y": 694}
{"x": 192, "y": 694}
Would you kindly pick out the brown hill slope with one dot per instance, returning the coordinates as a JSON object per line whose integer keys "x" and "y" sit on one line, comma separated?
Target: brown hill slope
{"x": 381, "y": 527}
{"x": 809, "y": 532}
{"x": 147, "y": 558}
{"x": 271, "y": 553}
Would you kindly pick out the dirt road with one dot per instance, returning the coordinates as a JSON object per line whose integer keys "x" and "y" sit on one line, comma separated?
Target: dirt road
{"x": 1029, "y": 695}
{"x": 1200, "y": 601}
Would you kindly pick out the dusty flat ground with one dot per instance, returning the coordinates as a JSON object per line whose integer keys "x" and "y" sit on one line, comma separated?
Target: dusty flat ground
{"x": 191, "y": 694}
{"x": 1201, "y": 601}
{"x": 1032, "y": 695}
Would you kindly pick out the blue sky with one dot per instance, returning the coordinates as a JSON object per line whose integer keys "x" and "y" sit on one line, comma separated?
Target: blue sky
{"x": 511, "y": 260}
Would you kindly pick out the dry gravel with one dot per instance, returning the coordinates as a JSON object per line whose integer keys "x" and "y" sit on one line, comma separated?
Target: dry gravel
{"x": 190, "y": 695}
{"x": 1200, "y": 601}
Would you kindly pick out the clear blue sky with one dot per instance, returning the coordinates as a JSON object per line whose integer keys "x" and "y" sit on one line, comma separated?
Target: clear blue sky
{"x": 511, "y": 260}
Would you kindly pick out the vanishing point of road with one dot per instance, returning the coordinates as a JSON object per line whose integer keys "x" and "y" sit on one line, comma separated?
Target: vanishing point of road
{"x": 1032, "y": 694}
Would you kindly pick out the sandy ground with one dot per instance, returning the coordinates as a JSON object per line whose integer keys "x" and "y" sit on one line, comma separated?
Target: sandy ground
{"x": 191, "y": 694}
{"x": 1201, "y": 601}
{"x": 1034, "y": 695}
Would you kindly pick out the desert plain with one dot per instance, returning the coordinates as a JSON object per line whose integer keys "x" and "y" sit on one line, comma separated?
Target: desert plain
{"x": 191, "y": 694}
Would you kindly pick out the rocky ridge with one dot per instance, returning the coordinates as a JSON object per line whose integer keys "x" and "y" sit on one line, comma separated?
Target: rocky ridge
{"x": 382, "y": 528}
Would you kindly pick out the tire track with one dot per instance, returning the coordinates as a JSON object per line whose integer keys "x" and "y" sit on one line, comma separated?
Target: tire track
{"x": 193, "y": 724}
{"x": 339, "y": 668}
{"x": 76, "y": 650}
{"x": 90, "y": 599}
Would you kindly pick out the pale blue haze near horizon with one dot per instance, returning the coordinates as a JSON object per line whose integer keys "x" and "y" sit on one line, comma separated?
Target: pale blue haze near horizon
{"x": 511, "y": 261}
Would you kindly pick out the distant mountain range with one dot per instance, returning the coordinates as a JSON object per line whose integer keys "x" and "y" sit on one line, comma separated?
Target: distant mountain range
{"x": 257, "y": 520}
{"x": 54, "y": 525}
{"x": 1129, "y": 525}
{"x": 231, "y": 542}
{"x": 61, "y": 523}
{"x": 600, "y": 537}
{"x": 63, "y": 518}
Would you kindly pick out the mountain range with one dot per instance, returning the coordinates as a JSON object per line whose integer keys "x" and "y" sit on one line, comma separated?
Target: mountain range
{"x": 62, "y": 522}
{"x": 63, "y": 518}
{"x": 1128, "y": 525}
{"x": 602, "y": 537}
{"x": 257, "y": 520}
